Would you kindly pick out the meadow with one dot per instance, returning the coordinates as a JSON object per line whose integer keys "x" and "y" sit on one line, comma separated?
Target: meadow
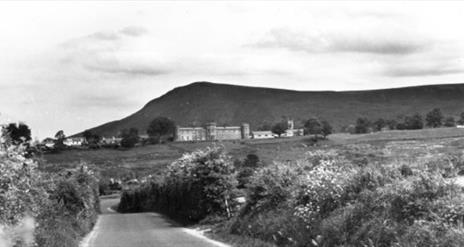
{"x": 144, "y": 160}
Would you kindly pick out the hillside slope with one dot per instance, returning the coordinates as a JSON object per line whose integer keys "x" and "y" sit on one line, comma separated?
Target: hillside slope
{"x": 201, "y": 102}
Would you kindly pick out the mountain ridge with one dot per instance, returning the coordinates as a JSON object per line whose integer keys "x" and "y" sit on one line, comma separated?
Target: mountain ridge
{"x": 227, "y": 104}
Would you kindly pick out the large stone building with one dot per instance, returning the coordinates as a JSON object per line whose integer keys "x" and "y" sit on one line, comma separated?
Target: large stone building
{"x": 213, "y": 132}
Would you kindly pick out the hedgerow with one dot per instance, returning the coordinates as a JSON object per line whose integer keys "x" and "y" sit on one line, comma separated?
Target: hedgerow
{"x": 41, "y": 209}
{"x": 327, "y": 200}
{"x": 198, "y": 184}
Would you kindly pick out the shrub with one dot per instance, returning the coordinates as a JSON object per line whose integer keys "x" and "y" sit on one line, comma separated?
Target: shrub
{"x": 197, "y": 184}
{"x": 43, "y": 209}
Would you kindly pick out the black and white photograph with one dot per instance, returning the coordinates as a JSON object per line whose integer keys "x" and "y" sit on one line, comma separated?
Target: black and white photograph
{"x": 231, "y": 123}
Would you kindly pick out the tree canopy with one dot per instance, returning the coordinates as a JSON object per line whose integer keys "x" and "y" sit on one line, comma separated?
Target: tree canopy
{"x": 130, "y": 137}
{"x": 279, "y": 128}
{"x": 160, "y": 128}
{"x": 434, "y": 118}
{"x": 19, "y": 133}
{"x": 313, "y": 126}
{"x": 362, "y": 125}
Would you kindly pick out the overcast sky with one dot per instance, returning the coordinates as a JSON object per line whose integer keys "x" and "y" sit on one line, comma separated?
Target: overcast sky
{"x": 75, "y": 65}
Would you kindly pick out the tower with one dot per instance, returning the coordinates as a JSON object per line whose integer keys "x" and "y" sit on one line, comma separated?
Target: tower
{"x": 211, "y": 131}
{"x": 245, "y": 131}
{"x": 290, "y": 124}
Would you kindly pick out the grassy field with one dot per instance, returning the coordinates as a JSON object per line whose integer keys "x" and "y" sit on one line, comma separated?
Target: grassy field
{"x": 395, "y": 135}
{"x": 402, "y": 146}
{"x": 149, "y": 159}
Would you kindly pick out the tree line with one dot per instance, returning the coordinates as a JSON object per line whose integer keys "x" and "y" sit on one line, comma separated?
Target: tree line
{"x": 433, "y": 119}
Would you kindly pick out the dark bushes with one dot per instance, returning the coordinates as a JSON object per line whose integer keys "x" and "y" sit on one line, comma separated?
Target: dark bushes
{"x": 198, "y": 184}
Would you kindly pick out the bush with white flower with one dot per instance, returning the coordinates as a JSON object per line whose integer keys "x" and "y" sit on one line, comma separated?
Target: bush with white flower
{"x": 320, "y": 190}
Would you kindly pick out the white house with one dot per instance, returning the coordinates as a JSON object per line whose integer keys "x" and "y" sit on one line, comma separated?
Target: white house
{"x": 263, "y": 134}
{"x": 74, "y": 141}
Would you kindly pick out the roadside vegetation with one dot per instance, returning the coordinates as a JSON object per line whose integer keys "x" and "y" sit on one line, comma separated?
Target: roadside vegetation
{"x": 39, "y": 208}
{"x": 392, "y": 194}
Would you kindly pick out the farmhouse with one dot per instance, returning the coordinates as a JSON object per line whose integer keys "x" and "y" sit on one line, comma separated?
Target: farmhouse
{"x": 290, "y": 132}
{"x": 74, "y": 141}
{"x": 212, "y": 132}
{"x": 265, "y": 134}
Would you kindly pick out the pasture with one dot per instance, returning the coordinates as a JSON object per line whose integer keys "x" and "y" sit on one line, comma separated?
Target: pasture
{"x": 398, "y": 146}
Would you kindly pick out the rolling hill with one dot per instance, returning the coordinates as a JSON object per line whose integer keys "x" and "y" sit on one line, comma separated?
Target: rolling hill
{"x": 201, "y": 102}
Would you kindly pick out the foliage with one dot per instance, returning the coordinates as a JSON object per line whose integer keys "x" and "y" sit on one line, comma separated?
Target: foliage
{"x": 194, "y": 186}
{"x": 313, "y": 126}
{"x": 434, "y": 118}
{"x": 59, "y": 140}
{"x": 279, "y": 128}
{"x": 246, "y": 170}
{"x": 379, "y": 124}
{"x": 19, "y": 133}
{"x": 41, "y": 209}
{"x": 130, "y": 137}
{"x": 326, "y": 128}
{"x": 326, "y": 200}
{"x": 362, "y": 125}
{"x": 92, "y": 139}
{"x": 461, "y": 119}
{"x": 161, "y": 127}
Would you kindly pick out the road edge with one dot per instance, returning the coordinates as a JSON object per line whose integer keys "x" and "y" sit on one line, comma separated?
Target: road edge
{"x": 85, "y": 242}
{"x": 199, "y": 234}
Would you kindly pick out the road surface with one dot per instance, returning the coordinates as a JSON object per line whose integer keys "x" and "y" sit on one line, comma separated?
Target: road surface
{"x": 141, "y": 230}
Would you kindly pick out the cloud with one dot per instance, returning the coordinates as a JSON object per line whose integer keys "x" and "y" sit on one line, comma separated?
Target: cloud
{"x": 106, "y": 36}
{"x": 133, "y": 31}
{"x": 128, "y": 69}
{"x": 90, "y": 100}
{"x": 317, "y": 42}
{"x": 421, "y": 71}
{"x": 110, "y": 53}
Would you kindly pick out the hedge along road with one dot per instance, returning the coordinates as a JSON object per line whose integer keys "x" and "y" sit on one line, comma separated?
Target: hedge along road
{"x": 141, "y": 230}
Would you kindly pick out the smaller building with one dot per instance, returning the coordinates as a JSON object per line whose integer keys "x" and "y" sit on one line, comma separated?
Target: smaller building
{"x": 74, "y": 141}
{"x": 111, "y": 140}
{"x": 49, "y": 142}
{"x": 266, "y": 134}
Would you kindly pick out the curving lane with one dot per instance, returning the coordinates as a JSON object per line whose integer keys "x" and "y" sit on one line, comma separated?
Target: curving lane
{"x": 141, "y": 230}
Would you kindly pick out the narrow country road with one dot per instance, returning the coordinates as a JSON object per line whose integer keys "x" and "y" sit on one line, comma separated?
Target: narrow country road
{"x": 141, "y": 230}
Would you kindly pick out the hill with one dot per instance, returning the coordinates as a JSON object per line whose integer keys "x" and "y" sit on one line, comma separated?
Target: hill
{"x": 201, "y": 102}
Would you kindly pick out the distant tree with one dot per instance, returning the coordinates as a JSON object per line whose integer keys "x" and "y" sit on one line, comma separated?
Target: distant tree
{"x": 326, "y": 129}
{"x": 160, "y": 128}
{"x": 313, "y": 127}
{"x": 130, "y": 137}
{"x": 461, "y": 119}
{"x": 351, "y": 129}
{"x": 379, "y": 124}
{"x": 362, "y": 125}
{"x": 19, "y": 133}
{"x": 91, "y": 138}
{"x": 391, "y": 124}
{"x": 59, "y": 140}
{"x": 434, "y": 118}
{"x": 279, "y": 128}
{"x": 413, "y": 122}
{"x": 87, "y": 135}
{"x": 449, "y": 122}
